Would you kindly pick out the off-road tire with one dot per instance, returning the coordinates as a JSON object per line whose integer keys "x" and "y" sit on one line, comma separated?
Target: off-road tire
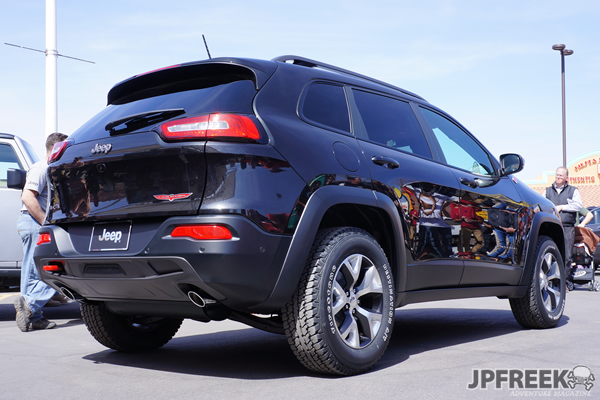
{"x": 322, "y": 330}
{"x": 544, "y": 303}
{"x": 127, "y": 334}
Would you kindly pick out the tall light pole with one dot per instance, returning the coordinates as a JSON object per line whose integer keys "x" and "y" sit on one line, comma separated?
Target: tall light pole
{"x": 51, "y": 70}
{"x": 52, "y": 55}
{"x": 563, "y": 52}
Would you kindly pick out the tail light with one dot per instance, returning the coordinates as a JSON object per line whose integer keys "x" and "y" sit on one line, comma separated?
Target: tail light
{"x": 54, "y": 266}
{"x": 211, "y": 126}
{"x": 202, "y": 232}
{"x": 57, "y": 151}
{"x": 43, "y": 238}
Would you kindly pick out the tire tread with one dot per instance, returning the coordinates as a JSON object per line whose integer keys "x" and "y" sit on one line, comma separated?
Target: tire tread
{"x": 113, "y": 331}
{"x": 301, "y": 319}
{"x": 528, "y": 310}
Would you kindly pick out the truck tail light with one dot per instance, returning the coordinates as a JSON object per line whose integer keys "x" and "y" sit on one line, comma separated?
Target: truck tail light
{"x": 58, "y": 150}
{"x": 54, "y": 266}
{"x": 202, "y": 232}
{"x": 211, "y": 126}
{"x": 43, "y": 238}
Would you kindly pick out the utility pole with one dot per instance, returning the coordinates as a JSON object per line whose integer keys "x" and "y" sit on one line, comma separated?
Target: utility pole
{"x": 51, "y": 69}
{"x": 51, "y": 114}
{"x": 563, "y": 52}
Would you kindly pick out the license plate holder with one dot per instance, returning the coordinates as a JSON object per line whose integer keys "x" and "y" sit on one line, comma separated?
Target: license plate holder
{"x": 110, "y": 236}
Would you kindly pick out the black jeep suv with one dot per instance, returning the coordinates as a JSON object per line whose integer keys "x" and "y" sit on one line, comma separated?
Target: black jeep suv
{"x": 293, "y": 196}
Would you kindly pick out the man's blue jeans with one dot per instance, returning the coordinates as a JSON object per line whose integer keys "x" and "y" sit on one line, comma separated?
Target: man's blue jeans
{"x": 505, "y": 249}
{"x": 35, "y": 292}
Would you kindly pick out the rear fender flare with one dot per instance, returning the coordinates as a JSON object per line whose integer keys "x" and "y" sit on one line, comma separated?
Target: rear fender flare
{"x": 316, "y": 207}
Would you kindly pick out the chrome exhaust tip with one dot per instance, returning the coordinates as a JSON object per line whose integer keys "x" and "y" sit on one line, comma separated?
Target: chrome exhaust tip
{"x": 196, "y": 299}
{"x": 70, "y": 295}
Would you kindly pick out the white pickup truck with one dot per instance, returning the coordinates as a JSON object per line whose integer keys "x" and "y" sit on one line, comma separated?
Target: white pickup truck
{"x": 15, "y": 154}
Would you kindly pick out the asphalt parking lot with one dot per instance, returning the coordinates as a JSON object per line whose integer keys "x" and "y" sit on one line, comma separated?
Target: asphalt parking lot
{"x": 435, "y": 351}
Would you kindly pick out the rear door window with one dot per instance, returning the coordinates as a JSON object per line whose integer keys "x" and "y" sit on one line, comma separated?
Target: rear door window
{"x": 325, "y": 105}
{"x": 390, "y": 122}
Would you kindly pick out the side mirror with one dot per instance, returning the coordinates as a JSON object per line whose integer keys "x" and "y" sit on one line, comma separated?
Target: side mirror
{"x": 511, "y": 163}
{"x": 16, "y": 178}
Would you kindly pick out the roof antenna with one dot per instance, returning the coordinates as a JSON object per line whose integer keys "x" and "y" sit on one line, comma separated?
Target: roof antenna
{"x": 205, "y": 45}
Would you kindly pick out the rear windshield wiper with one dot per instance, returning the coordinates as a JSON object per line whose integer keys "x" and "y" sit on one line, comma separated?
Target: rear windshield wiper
{"x": 137, "y": 121}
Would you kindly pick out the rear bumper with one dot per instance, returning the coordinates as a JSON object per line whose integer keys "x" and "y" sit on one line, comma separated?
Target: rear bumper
{"x": 13, "y": 272}
{"x": 9, "y": 278}
{"x": 239, "y": 273}
{"x": 10, "y": 275}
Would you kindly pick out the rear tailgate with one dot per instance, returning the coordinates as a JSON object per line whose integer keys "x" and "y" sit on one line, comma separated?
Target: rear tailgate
{"x": 119, "y": 165}
{"x": 139, "y": 176}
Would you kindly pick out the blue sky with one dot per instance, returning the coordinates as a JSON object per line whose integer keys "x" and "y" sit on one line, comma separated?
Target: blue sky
{"x": 490, "y": 64}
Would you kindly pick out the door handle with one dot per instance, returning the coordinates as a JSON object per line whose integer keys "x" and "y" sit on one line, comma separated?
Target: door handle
{"x": 389, "y": 163}
{"x": 479, "y": 183}
{"x": 470, "y": 183}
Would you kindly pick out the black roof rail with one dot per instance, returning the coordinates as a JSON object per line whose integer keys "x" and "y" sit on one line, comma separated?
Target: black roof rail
{"x": 307, "y": 62}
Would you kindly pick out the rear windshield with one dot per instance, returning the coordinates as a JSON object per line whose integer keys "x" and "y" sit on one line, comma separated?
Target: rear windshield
{"x": 235, "y": 96}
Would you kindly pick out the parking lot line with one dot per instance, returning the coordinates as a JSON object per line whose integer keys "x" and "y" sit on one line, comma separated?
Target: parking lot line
{"x": 6, "y": 295}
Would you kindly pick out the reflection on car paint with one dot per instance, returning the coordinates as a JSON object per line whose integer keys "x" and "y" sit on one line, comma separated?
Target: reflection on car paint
{"x": 440, "y": 224}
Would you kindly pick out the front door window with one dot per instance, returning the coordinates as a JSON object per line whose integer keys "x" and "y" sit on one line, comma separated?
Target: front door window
{"x": 458, "y": 148}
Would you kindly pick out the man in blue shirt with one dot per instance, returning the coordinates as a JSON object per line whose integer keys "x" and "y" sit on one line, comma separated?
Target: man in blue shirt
{"x": 34, "y": 293}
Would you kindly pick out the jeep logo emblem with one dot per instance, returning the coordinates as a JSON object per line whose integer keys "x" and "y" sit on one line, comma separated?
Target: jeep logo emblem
{"x": 102, "y": 148}
{"x": 112, "y": 236}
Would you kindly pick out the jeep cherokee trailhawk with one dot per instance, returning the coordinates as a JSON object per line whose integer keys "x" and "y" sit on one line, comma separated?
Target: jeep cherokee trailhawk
{"x": 293, "y": 196}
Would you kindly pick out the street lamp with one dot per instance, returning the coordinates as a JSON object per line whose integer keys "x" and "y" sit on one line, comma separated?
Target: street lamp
{"x": 563, "y": 52}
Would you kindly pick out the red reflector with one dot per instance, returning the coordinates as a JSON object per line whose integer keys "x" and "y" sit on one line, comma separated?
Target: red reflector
{"x": 202, "y": 232}
{"x": 55, "y": 266}
{"x": 57, "y": 151}
{"x": 211, "y": 126}
{"x": 44, "y": 238}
